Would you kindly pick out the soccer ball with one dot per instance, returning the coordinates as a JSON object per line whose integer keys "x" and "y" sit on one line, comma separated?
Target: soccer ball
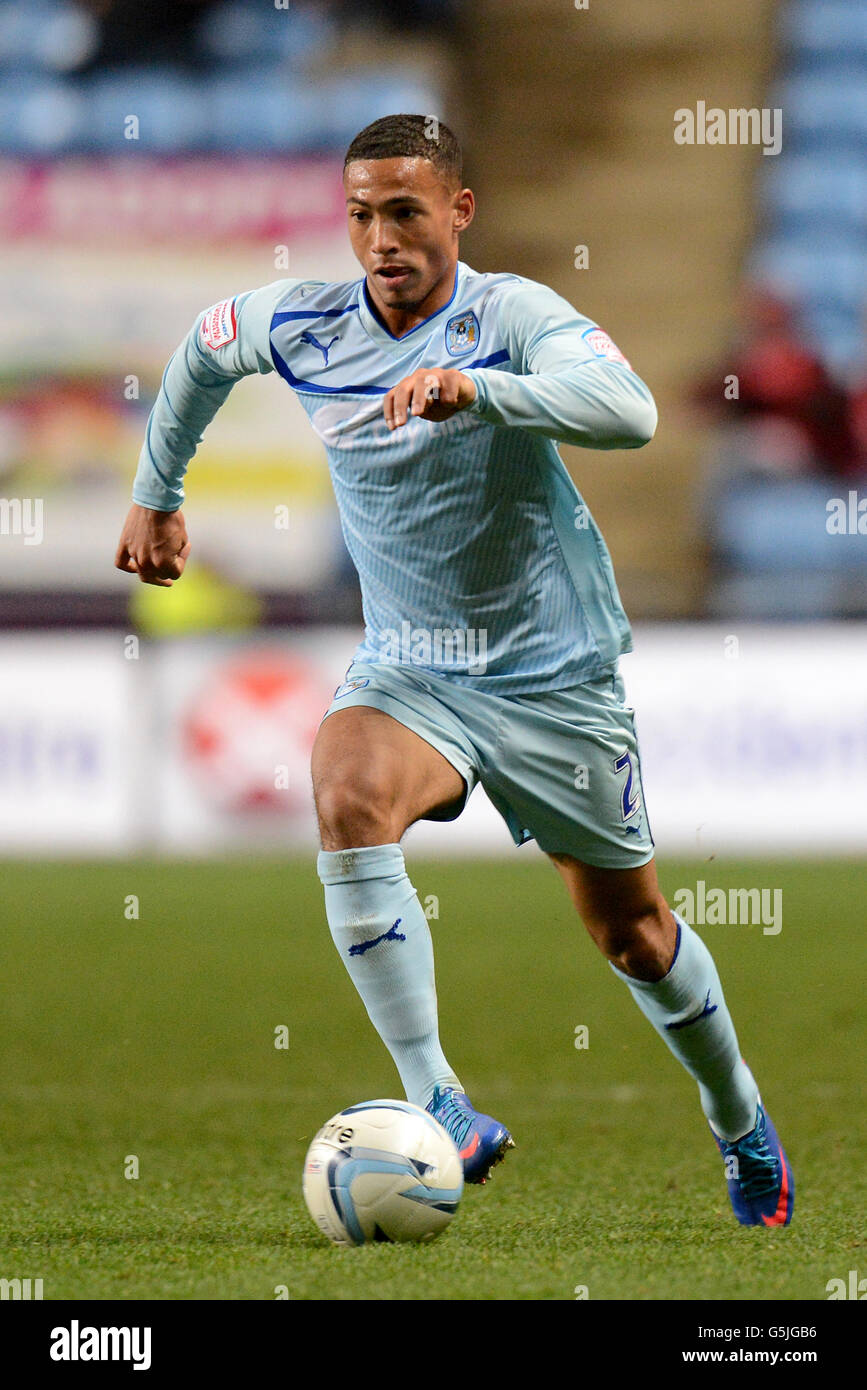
{"x": 381, "y": 1171}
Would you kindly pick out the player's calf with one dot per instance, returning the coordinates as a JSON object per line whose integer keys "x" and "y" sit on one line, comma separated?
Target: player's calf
{"x": 675, "y": 984}
{"x": 380, "y": 930}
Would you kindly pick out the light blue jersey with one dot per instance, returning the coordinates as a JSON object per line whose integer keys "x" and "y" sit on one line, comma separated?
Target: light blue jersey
{"x": 477, "y": 558}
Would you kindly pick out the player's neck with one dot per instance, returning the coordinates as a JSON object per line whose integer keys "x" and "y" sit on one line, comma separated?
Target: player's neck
{"x": 401, "y": 321}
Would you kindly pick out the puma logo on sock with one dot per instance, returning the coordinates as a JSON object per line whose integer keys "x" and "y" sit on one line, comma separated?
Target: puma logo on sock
{"x": 709, "y": 1008}
{"x": 391, "y": 935}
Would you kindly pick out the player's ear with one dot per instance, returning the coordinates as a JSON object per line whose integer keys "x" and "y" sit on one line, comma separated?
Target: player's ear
{"x": 464, "y": 207}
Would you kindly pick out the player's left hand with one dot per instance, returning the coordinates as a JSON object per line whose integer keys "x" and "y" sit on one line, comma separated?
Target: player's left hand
{"x": 432, "y": 393}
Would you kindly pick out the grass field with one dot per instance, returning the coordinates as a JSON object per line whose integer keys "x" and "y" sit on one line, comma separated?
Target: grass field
{"x": 155, "y": 1038}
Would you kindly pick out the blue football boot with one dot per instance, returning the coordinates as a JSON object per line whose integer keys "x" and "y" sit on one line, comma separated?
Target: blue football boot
{"x": 480, "y": 1140}
{"x": 760, "y": 1181}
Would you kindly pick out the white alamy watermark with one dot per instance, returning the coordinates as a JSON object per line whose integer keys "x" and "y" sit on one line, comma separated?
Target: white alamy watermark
{"x": 77, "y": 1343}
{"x": 851, "y": 1287}
{"x": 20, "y": 1289}
{"x": 22, "y": 516}
{"x": 464, "y": 647}
{"x": 735, "y": 907}
{"x": 739, "y": 125}
{"x": 847, "y": 516}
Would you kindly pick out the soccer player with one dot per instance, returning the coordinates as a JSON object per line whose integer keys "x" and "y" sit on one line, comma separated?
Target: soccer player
{"x": 493, "y": 624}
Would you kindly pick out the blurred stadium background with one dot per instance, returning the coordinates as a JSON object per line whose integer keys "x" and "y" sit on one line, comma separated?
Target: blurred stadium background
{"x": 156, "y": 156}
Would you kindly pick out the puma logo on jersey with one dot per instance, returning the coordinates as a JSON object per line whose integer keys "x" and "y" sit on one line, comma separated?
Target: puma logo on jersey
{"x": 308, "y": 337}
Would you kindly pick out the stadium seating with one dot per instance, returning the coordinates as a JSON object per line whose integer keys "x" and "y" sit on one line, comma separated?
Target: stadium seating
{"x": 251, "y": 81}
{"x": 815, "y": 194}
{"x": 774, "y": 555}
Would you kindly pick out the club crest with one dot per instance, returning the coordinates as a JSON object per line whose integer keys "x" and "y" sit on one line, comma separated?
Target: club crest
{"x": 462, "y": 333}
{"x": 348, "y": 686}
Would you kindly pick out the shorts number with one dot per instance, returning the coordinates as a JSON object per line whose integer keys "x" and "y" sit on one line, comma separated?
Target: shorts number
{"x": 629, "y": 801}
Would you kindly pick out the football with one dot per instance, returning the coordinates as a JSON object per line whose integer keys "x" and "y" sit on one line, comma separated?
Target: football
{"x": 383, "y": 1170}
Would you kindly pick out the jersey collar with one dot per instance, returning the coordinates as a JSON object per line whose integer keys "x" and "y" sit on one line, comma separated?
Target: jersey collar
{"x": 407, "y": 341}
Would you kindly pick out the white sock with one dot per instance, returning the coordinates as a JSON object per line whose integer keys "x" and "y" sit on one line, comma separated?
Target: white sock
{"x": 384, "y": 941}
{"x": 688, "y": 1010}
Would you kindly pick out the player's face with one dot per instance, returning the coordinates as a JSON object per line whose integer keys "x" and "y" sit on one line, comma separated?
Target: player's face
{"x": 404, "y": 224}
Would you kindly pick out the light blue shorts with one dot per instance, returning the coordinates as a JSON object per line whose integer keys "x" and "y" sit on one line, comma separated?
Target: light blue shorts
{"x": 562, "y": 767}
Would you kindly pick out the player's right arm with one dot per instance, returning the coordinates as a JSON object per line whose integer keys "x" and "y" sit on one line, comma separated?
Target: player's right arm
{"x": 226, "y": 342}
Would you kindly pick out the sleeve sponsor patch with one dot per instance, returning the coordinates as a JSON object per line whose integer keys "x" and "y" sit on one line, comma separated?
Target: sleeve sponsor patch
{"x": 219, "y": 326}
{"x": 601, "y": 345}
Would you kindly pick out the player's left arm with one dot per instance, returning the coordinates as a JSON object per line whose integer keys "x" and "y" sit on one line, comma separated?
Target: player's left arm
{"x": 569, "y": 381}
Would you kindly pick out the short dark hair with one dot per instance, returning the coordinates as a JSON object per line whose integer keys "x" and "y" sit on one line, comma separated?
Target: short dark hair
{"x": 410, "y": 137}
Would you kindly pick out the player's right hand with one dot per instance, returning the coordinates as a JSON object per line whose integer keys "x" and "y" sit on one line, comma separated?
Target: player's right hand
{"x": 153, "y": 545}
{"x": 431, "y": 393}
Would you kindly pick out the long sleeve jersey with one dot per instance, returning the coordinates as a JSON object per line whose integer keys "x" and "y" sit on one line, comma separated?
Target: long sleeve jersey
{"x": 468, "y": 526}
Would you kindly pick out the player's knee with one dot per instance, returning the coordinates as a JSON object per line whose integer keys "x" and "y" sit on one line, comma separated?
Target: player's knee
{"x": 355, "y": 812}
{"x": 637, "y": 940}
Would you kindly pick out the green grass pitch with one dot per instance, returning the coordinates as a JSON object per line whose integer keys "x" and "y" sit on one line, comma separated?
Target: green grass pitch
{"x": 155, "y": 1038}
